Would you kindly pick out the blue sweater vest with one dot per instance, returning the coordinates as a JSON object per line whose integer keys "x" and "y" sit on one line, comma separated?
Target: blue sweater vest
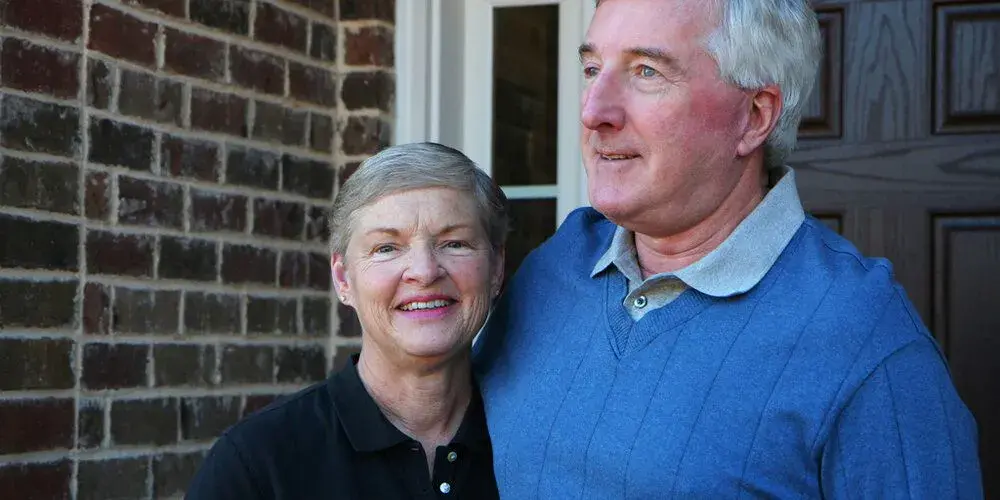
{"x": 820, "y": 382}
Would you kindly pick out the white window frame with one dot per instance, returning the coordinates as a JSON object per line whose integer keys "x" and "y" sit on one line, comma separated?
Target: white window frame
{"x": 443, "y": 49}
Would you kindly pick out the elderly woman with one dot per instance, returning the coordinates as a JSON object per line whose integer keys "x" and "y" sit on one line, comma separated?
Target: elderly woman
{"x": 417, "y": 251}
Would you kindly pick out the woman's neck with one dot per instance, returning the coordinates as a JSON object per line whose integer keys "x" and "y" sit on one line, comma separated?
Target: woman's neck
{"x": 426, "y": 403}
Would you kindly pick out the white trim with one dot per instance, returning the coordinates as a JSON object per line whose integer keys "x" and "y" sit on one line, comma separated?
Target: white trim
{"x": 413, "y": 70}
{"x": 531, "y": 192}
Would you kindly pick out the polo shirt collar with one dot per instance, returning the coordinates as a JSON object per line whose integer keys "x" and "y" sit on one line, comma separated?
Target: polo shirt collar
{"x": 742, "y": 260}
{"x": 369, "y": 430}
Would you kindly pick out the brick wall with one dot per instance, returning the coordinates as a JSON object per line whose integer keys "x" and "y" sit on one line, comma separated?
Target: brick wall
{"x": 165, "y": 166}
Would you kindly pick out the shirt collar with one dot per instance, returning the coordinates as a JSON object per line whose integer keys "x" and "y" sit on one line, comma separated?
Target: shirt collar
{"x": 742, "y": 260}
{"x": 367, "y": 428}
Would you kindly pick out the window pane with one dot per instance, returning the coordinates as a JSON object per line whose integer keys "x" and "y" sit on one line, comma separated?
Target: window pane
{"x": 532, "y": 222}
{"x": 525, "y": 84}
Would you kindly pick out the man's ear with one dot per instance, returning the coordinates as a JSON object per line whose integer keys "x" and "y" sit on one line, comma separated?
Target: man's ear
{"x": 339, "y": 274}
{"x": 765, "y": 109}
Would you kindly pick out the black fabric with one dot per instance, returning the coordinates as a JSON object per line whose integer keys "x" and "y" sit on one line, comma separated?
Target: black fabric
{"x": 330, "y": 441}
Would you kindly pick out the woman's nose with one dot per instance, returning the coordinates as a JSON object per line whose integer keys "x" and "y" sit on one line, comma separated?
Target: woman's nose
{"x": 424, "y": 266}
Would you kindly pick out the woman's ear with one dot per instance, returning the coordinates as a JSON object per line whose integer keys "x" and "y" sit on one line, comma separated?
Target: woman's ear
{"x": 340, "y": 282}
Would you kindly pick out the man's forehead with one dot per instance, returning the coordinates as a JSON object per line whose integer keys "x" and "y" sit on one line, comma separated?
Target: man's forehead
{"x": 636, "y": 20}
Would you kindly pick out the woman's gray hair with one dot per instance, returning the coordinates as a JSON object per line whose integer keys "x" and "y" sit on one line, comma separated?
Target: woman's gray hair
{"x": 417, "y": 166}
{"x": 769, "y": 42}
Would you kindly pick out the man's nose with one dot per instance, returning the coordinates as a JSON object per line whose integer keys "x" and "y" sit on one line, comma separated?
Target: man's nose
{"x": 603, "y": 107}
{"x": 424, "y": 266}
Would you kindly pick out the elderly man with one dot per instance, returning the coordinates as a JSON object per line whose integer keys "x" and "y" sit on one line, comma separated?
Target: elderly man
{"x": 695, "y": 334}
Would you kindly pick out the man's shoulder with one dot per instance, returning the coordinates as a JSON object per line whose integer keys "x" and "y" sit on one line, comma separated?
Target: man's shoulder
{"x": 585, "y": 233}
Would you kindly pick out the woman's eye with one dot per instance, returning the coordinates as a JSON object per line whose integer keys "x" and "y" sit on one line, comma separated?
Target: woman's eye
{"x": 456, "y": 244}
{"x": 384, "y": 249}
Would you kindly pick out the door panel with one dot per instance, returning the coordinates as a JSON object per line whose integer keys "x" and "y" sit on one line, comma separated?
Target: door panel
{"x": 914, "y": 174}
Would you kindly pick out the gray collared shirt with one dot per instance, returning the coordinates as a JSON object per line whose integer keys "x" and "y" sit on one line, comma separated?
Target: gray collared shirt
{"x": 734, "y": 267}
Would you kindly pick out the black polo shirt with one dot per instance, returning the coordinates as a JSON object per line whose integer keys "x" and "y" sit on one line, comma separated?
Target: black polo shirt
{"x": 330, "y": 441}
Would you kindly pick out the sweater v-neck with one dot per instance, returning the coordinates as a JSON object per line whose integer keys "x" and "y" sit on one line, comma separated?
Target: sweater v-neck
{"x": 627, "y": 336}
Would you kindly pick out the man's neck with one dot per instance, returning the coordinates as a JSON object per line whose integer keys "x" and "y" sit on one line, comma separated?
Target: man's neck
{"x": 426, "y": 404}
{"x": 663, "y": 254}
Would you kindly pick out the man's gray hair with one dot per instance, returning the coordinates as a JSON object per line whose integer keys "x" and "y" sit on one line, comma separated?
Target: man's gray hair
{"x": 769, "y": 42}
{"x": 417, "y": 166}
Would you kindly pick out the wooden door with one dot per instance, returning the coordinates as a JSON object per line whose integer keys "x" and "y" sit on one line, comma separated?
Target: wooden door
{"x": 900, "y": 152}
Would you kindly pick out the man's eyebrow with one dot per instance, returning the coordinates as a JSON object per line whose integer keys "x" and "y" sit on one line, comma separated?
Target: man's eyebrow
{"x": 585, "y": 50}
{"x": 660, "y": 55}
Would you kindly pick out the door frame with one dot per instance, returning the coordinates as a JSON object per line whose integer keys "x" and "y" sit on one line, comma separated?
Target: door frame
{"x": 443, "y": 49}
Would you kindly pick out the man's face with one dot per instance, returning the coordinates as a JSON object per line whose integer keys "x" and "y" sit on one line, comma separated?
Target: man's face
{"x": 660, "y": 128}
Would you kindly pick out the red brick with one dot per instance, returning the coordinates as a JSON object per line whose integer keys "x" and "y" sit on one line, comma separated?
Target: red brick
{"x": 279, "y": 219}
{"x": 384, "y": 10}
{"x": 344, "y": 355}
{"x": 227, "y": 15}
{"x": 307, "y": 177}
{"x": 317, "y": 228}
{"x": 257, "y": 70}
{"x": 125, "y": 255}
{"x": 146, "y": 311}
{"x": 172, "y": 473}
{"x": 365, "y": 135}
{"x": 299, "y": 365}
{"x": 309, "y": 83}
{"x": 368, "y": 90}
{"x": 39, "y": 244}
{"x": 191, "y": 158}
{"x": 301, "y": 270}
{"x": 324, "y": 42}
{"x": 122, "y": 36}
{"x": 194, "y": 55}
{"x": 48, "y": 481}
{"x": 56, "y": 18}
{"x": 39, "y": 185}
{"x": 115, "y": 478}
{"x": 248, "y": 264}
{"x": 187, "y": 259}
{"x": 276, "y": 123}
{"x": 272, "y": 316}
{"x": 371, "y": 46}
{"x": 211, "y": 313}
{"x": 35, "y": 364}
{"x": 325, "y": 7}
{"x": 215, "y": 112}
{"x": 171, "y": 7}
{"x": 346, "y": 171}
{"x": 114, "y": 366}
{"x": 144, "y": 421}
{"x": 90, "y": 427}
{"x": 120, "y": 144}
{"x": 321, "y": 132}
{"x": 217, "y": 211}
{"x": 150, "y": 203}
{"x": 33, "y": 68}
{"x": 280, "y": 27}
{"x": 40, "y": 127}
{"x": 184, "y": 365}
{"x": 145, "y": 96}
{"x": 97, "y": 196}
{"x": 248, "y": 365}
{"x": 96, "y": 309}
{"x": 99, "y": 83}
{"x": 252, "y": 167}
{"x": 36, "y": 425}
{"x": 204, "y": 419}
{"x": 37, "y": 304}
{"x": 350, "y": 327}
{"x": 257, "y": 402}
{"x": 316, "y": 317}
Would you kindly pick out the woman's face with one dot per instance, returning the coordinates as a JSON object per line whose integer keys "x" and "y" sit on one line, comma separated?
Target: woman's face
{"x": 420, "y": 272}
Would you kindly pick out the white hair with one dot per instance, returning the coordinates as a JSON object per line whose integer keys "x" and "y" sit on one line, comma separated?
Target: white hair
{"x": 770, "y": 42}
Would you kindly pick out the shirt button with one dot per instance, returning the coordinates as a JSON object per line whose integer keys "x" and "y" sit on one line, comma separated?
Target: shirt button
{"x": 452, "y": 456}
{"x": 445, "y": 488}
{"x": 640, "y": 302}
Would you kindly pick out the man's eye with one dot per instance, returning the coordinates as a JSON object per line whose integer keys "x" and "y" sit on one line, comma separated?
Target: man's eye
{"x": 589, "y": 71}
{"x": 647, "y": 72}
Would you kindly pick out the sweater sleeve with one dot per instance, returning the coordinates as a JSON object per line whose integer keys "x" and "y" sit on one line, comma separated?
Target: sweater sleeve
{"x": 223, "y": 475}
{"x": 904, "y": 434}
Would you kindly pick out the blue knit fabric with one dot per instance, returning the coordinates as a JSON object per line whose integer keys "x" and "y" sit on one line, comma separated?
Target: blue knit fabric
{"x": 820, "y": 382}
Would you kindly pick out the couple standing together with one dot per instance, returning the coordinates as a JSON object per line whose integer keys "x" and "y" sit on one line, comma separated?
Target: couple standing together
{"x": 693, "y": 335}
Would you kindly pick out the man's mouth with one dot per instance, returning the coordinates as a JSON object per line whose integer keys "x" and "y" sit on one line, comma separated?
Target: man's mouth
{"x": 617, "y": 157}
{"x": 422, "y": 306}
